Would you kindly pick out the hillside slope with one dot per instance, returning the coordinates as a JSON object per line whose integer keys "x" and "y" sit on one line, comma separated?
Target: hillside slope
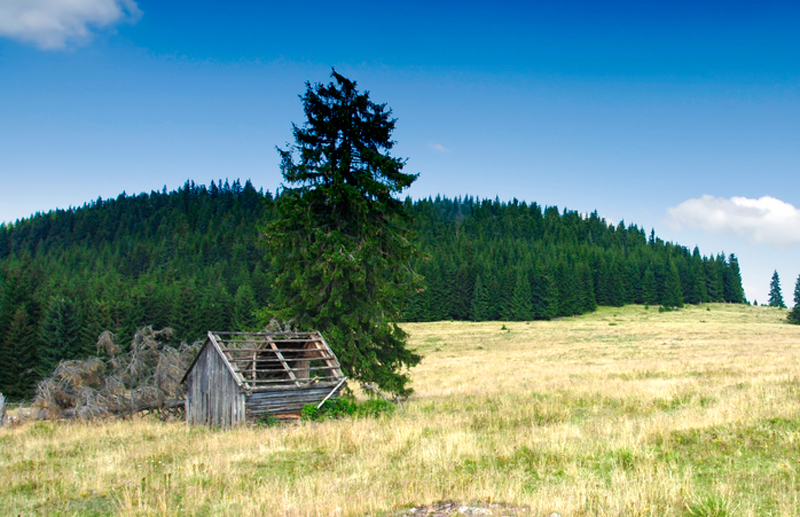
{"x": 191, "y": 259}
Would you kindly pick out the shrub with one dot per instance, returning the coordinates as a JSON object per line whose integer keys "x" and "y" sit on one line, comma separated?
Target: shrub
{"x": 345, "y": 406}
{"x": 267, "y": 420}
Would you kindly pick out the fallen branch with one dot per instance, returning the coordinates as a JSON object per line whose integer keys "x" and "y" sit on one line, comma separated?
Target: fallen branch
{"x": 371, "y": 386}
{"x": 145, "y": 379}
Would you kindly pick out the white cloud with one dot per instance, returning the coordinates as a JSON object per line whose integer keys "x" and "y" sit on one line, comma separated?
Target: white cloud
{"x": 440, "y": 148}
{"x": 766, "y": 220}
{"x": 53, "y": 24}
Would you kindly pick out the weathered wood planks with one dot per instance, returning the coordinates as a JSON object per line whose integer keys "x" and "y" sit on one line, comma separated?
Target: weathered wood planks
{"x": 231, "y": 380}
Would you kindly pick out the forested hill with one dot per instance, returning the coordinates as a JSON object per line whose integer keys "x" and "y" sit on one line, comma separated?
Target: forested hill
{"x": 516, "y": 261}
{"x": 187, "y": 259}
{"x": 191, "y": 259}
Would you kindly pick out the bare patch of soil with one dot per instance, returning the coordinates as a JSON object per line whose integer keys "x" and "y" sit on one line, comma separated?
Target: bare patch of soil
{"x": 464, "y": 509}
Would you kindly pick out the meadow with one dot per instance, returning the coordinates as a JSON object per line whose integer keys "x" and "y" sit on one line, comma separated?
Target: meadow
{"x": 624, "y": 412}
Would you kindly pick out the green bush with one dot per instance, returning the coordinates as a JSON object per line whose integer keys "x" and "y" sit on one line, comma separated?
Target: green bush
{"x": 344, "y": 406}
{"x": 335, "y": 408}
{"x": 267, "y": 420}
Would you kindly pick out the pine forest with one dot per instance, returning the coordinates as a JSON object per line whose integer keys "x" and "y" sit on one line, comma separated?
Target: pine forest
{"x": 194, "y": 260}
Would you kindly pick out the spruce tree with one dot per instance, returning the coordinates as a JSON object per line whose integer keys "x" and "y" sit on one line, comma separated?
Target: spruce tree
{"x": 732, "y": 280}
{"x": 450, "y": 290}
{"x": 340, "y": 247}
{"x": 244, "y": 308}
{"x": 611, "y": 284}
{"x": 462, "y": 302}
{"x": 569, "y": 293}
{"x": 547, "y": 306}
{"x": 775, "y": 296}
{"x": 649, "y": 288}
{"x": 521, "y": 306}
{"x": 480, "y": 310}
{"x": 698, "y": 293}
{"x": 184, "y": 317}
{"x": 715, "y": 267}
{"x": 18, "y": 356}
{"x": 60, "y": 335}
{"x": 539, "y": 294}
{"x": 673, "y": 296}
{"x": 97, "y": 320}
{"x": 215, "y": 308}
{"x": 588, "y": 302}
{"x": 435, "y": 295}
{"x": 504, "y": 298}
{"x": 794, "y": 314}
{"x": 156, "y": 304}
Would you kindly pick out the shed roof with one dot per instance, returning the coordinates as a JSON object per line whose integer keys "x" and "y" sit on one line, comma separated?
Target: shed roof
{"x": 267, "y": 361}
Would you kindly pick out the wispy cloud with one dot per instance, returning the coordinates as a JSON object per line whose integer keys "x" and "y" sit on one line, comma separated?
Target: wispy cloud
{"x": 55, "y": 24}
{"x": 440, "y": 148}
{"x": 766, "y": 220}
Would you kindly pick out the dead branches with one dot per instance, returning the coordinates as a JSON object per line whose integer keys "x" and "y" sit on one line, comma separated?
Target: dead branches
{"x": 144, "y": 379}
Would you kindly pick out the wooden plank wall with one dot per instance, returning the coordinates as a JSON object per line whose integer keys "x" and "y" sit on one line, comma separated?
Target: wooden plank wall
{"x": 213, "y": 397}
{"x": 285, "y": 402}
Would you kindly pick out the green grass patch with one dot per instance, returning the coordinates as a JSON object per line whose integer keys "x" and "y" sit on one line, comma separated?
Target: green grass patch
{"x": 346, "y": 407}
{"x": 761, "y": 458}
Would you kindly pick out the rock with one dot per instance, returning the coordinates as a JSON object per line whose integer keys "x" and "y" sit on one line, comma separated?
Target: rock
{"x": 473, "y": 511}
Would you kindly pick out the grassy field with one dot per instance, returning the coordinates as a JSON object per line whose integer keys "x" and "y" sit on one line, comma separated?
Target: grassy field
{"x": 622, "y": 412}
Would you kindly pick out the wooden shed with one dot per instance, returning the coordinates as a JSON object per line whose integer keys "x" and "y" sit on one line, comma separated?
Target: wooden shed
{"x": 239, "y": 376}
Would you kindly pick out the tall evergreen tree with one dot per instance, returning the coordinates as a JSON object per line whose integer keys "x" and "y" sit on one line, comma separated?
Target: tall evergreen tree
{"x": 504, "y": 294}
{"x": 244, "y": 308}
{"x": 18, "y": 357}
{"x": 435, "y": 295}
{"x": 732, "y": 281}
{"x": 341, "y": 247}
{"x": 480, "y": 308}
{"x": 215, "y": 307}
{"x": 462, "y": 294}
{"x": 60, "y": 336}
{"x": 698, "y": 293}
{"x": 673, "y": 296}
{"x": 521, "y": 306}
{"x": 715, "y": 287}
{"x": 97, "y": 319}
{"x": 588, "y": 301}
{"x": 649, "y": 288}
{"x": 156, "y": 305}
{"x": 545, "y": 297}
{"x": 794, "y": 314}
{"x": 775, "y": 296}
{"x": 185, "y": 315}
{"x": 569, "y": 290}
{"x": 693, "y": 292}
{"x": 610, "y": 289}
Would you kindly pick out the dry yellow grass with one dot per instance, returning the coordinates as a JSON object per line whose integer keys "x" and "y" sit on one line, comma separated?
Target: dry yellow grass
{"x": 622, "y": 412}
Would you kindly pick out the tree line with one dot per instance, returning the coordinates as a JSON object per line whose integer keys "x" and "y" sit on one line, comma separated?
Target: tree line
{"x": 491, "y": 260}
{"x": 194, "y": 259}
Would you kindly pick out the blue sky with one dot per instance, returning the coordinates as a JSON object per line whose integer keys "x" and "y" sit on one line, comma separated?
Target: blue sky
{"x": 678, "y": 116}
